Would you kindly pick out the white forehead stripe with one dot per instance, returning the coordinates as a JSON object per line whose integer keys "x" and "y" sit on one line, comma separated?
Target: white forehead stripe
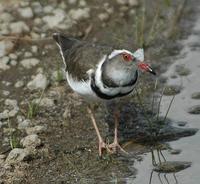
{"x": 139, "y": 54}
{"x": 117, "y": 52}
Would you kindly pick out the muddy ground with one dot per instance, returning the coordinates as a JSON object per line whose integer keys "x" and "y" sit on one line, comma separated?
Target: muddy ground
{"x": 56, "y": 139}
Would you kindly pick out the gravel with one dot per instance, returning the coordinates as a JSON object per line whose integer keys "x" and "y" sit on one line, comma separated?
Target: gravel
{"x": 36, "y": 129}
{"x": 55, "y": 19}
{"x": 39, "y": 82}
{"x": 80, "y": 13}
{"x": 26, "y": 13}
{"x": 17, "y": 155}
{"x": 45, "y": 102}
{"x": 29, "y": 63}
{"x": 19, "y": 27}
{"x": 31, "y": 141}
{"x": 5, "y": 47}
{"x": 4, "y": 63}
{"x": 24, "y": 124}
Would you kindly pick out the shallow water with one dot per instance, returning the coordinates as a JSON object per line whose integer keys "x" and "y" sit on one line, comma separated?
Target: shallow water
{"x": 189, "y": 146}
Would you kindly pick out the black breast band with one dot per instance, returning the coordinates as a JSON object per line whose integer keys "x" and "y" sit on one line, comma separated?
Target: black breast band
{"x": 102, "y": 95}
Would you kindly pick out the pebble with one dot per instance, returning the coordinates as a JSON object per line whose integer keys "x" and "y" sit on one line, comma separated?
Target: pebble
{"x": 5, "y": 93}
{"x": 72, "y": 1}
{"x": 133, "y": 2}
{"x": 195, "y": 95}
{"x": 31, "y": 141}
{"x": 24, "y": 124}
{"x": 103, "y": 16}
{"x": 34, "y": 49}
{"x": 5, "y": 47}
{"x": 19, "y": 27}
{"x": 36, "y": 129}
{"x": 6, "y": 17}
{"x": 37, "y": 8}
{"x": 194, "y": 110}
{"x": 45, "y": 102}
{"x": 19, "y": 84}
{"x": 26, "y": 13}
{"x": 29, "y": 63}
{"x": 182, "y": 70}
{"x": 28, "y": 54}
{"x": 39, "y": 82}
{"x": 4, "y": 63}
{"x": 80, "y": 13}
{"x": 17, "y": 155}
{"x": 55, "y": 19}
{"x": 172, "y": 90}
{"x": 48, "y": 9}
{"x": 181, "y": 123}
{"x": 175, "y": 151}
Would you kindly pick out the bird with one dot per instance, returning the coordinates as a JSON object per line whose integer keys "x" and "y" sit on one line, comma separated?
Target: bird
{"x": 100, "y": 73}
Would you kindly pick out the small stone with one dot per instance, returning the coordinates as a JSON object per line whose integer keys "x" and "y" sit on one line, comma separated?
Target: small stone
{"x": 37, "y": 8}
{"x": 13, "y": 62}
{"x": 4, "y": 115}
{"x": 6, "y": 17}
{"x": 103, "y": 16}
{"x": 57, "y": 76}
{"x": 122, "y": 2}
{"x": 172, "y": 90}
{"x": 44, "y": 102}
{"x": 72, "y": 1}
{"x": 133, "y": 2}
{"x": 48, "y": 9}
{"x": 196, "y": 95}
{"x": 31, "y": 141}
{"x": 175, "y": 151}
{"x": 4, "y": 63}
{"x": 17, "y": 155}
{"x": 194, "y": 110}
{"x": 39, "y": 82}
{"x": 34, "y": 49}
{"x": 1, "y": 124}
{"x": 5, "y": 93}
{"x": 2, "y": 156}
{"x": 182, "y": 71}
{"x": 24, "y": 124}
{"x": 28, "y": 54}
{"x": 55, "y": 19}
{"x": 6, "y": 46}
{"x": 36, "y": 129}
{"x": 181, "y": 123}
{"x": 29, "y": 63}
{"x": 80, "y": 13}
{"x": 26, "y": 13}
{"x": 82, "y": 3}
{"x": 19, "y": 27}
{"x": 171, "y": 166}
{"x": 19, "y": 84}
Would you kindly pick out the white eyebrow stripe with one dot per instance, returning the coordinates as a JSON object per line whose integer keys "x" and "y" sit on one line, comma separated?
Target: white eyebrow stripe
{"x": 139, "y": 54}
{"x": 117, "y": 52}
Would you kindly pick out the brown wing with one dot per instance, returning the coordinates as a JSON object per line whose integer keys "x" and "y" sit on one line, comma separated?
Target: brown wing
{"x": 80, "y": 56}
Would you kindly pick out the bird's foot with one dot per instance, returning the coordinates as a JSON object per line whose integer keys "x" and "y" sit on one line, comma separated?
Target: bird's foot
{"x": 114, "y": 147}
{"x": 103, "y": 146}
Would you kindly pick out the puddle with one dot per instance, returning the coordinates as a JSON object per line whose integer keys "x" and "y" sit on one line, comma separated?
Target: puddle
{"x": 189, "y": 146}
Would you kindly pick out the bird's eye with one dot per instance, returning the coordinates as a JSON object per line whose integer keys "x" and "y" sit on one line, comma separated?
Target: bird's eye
{"x": 127, "y": 57}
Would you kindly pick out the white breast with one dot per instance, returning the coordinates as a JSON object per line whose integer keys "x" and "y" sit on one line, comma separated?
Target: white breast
{"x": 81, "y": 87}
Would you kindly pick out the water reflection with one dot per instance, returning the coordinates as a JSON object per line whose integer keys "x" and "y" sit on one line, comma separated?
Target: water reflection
{"x": 164, "y": 171}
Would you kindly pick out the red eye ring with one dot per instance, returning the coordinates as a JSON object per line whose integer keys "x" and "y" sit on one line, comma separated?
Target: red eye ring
{"x": 127, "y": 57}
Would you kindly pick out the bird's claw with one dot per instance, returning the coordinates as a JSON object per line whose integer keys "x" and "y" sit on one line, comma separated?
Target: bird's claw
{"x": 103, "y": 146}
{"x": 114, "y": 147}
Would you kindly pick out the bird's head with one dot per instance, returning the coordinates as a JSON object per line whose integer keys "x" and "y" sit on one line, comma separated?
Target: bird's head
{"x": 127, "y": 59}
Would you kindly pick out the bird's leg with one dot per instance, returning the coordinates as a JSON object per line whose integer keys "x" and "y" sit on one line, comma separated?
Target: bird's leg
{"x": 102, "y": 144}
{"x": 115, "y": 145}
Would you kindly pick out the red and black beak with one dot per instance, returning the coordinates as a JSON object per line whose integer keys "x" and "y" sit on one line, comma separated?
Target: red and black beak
{"x": 146, "y": 67}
